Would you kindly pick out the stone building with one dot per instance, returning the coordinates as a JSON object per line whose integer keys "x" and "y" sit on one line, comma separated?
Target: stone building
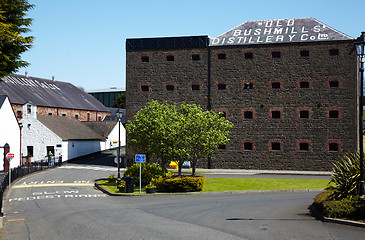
{"x": 289, "y": 86}
{"x": 53, "y": 98}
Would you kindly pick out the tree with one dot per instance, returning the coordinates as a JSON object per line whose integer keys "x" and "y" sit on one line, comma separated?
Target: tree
{"x": 13, "y": 24}
{"x": 177, "y": 133}
{"x": 119, "y": 101}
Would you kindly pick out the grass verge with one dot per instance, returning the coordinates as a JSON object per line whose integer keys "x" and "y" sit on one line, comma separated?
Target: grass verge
{"x": 243, "y": 184}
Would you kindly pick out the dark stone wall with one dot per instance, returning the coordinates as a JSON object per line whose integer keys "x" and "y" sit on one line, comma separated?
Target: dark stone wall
{"x": 318, "y": 69}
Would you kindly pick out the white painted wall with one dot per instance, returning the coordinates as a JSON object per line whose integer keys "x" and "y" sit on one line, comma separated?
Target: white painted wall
{"x": 112, "y": 140}
{"x": 74, "y": 148}
{"x": 35, "y": 134}
{"x": 9, "y": 133}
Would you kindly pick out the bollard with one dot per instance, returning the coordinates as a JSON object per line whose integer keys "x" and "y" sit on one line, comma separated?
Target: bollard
{"x": 129, "y": 185}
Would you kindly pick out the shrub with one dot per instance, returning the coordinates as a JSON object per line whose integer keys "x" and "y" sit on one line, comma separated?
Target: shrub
{"x": 148, "y": 172}
{"x": 346, "y": 176}
{"x": 180, "y": 184}
{"x": 112, "y": 178}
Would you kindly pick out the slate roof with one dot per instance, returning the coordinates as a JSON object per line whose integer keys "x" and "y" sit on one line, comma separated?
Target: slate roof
{"x": 2, "y": 100}
{"x": 279, "y": 31}
{"x": 48, "y": 93}
{"x": 68, "y": 128}
{"x": 103, "y": 129}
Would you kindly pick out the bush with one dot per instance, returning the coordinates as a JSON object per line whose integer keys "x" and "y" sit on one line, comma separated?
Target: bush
{"x": 346, "y": 176}
{"x": 348, "y": 208}
{"x": 180, "y": 184}
{"x": 148, "y": 171}
{"x": 112, "y": 178}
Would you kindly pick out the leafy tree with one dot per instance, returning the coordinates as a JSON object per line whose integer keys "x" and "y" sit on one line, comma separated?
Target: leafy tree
{"x": 13, "y": 24}
{"x": 178, "y": 133}
{"x": 119, "y": 101}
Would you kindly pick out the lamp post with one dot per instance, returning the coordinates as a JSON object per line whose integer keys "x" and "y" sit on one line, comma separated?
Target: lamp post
{"x": 360, "y": 46}
{"x": 119, "y": 117}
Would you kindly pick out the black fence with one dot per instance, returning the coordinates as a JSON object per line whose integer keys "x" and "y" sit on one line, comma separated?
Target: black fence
{"x": 24, "y": 170}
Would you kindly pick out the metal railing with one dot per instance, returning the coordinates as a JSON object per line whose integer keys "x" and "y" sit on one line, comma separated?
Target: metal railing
{"x": 24, "y": 170}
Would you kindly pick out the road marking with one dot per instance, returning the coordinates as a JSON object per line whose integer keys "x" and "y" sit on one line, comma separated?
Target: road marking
{"x": 55, "y": 185}
{"x": 91, "y": 168}
{"x": 15, "y": 220}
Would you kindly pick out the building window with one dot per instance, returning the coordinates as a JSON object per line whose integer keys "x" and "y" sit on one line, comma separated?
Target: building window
{"x": 195, "y": 57}
{"x": 248, "y": 86}
{"x": 76, "y": 116}
{"x": 334, "y": 84}
{"x": 221, "y": 56}
{"x": 334, "y": 52}
{"x": 145, "y": 88}
{"x": 304, "y": 114}
{"x": 19, "y": 114}
{"x": 145, "y": 58}
{"x": 304, "y": 84}
{"x": 276, "y": 54}
{"x": 195, "y": 87}
{"x": 63, "y": 114}
{"x": 276, "y": 85}
{"x": 29, "y": 108}
{"x": 333, "y": 147}
{"x": 248, "y": 146}
{"x": 333, "y": 114}
{"x": 49, "y": 114}
{"x": 170, "y": 58}
{"x": 248, "y": 114}
{"x": 170, "y": 87}
{"x": 275, "y": 145}
{"x": 248, "y": 55}
{"x": 88, "y": 116}
{"x": 276, "y": 114}
{"x": 303, "y": 146}
{"x": 304, "y": 53}
{"x": 222, "y": 86}
{"x": 222, "y": 147}
{"x": 99, "y": 118}
{"x": 223, "y": 114}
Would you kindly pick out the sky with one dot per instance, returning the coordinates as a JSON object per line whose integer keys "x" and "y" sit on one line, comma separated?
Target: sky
{"x": 83, "y": 41}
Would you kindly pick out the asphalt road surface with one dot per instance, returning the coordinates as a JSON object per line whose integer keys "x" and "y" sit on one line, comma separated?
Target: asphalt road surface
{"x": 63, "y": 204}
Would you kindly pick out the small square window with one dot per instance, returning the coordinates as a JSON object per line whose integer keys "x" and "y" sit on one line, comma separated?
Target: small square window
{"x": 333, "y": 147}
{"x": 145, "y": 59}
{"x": 275, "y": 146}
{"x": 221, "y": 56}
{"x": 195, "y": 87}
{"x": 248, "y": 146}
{"x": 276, "y": 54}
{"x": 49, "y": 114}
{"x": 333, "y": 114}
{"x": 195, "y": 57}
{"x": 275, "y": 85}
{"x": 222, "y": 147}
{"x": 145, "y": 88}
{"x": 334, "y": 52}
{"x": 222, "y": 86}
{"x": 223, "y": 114}
{"x": 334, "y": 84}
{"x": 304, "y": 114}
{"x": 170, "y": 58}
{"x": 304, "y": 146}
{"x": 170, "y": 87}
{"x": 63, "y": 114}
{"x": 304, "y": 84}
{"x": 19, "y": 114}
{"x": 276, "y": 114}
{"x": 248, "y": 114}
{"x": 248, "y": 86}
{"x": 304, "y": 53}
{"x": 248, "y": 55}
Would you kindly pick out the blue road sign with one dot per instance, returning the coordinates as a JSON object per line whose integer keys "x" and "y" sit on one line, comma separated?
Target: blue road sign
{"x": 140, "y": 158}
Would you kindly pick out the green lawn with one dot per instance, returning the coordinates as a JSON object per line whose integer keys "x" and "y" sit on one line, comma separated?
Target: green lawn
{"x": 257, "y": 184}
{"x": 243, "y": 184}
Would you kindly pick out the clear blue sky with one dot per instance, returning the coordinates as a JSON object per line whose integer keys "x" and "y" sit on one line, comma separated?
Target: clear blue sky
{"x": 83, "y": 41}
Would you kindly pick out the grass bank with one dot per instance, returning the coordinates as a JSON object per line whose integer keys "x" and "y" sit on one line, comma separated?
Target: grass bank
{"x": 243, "y": 184}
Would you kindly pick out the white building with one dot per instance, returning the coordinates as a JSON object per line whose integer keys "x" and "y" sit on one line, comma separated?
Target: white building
{"x": 9, "y": 133}
{"x": 64, "y": 137}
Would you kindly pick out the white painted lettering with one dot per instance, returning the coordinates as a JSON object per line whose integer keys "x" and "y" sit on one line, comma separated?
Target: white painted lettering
{"x": 291, "y": 22}
{"x": 250, "y": 40}
{"x": 257, "y": 31}
{"x": 291, "y": 37}
{"x": 278, "y": 24}
{"x": 240, "y": 39}
{"x": 247, "y": 32}
{"x": 293, "y": 30}
{"x": 269, "y": 39}
{"x": 231, "y": 40}
{"x": 278, "y": 31}
{"x": 317, "y": 28}
{"x": 259, "y": 40}
{"x": 279, "y": 38}
{"x": 267, "y": 31}
{"x": 72, "y": 191}
{"x": 237, "y": 33}
{"x": 215, "y": 41}
{"x": 304, "y": 30}
{"x": 322, "y": 36}
{"x": 304, "y": 37}
{"x": 268, "y": 23}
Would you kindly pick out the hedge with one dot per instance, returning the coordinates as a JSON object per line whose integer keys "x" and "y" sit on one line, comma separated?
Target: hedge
{"x": 180, "y": 184}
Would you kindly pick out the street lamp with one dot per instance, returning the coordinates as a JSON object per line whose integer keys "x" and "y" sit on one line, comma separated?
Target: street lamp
{"x": 360, "y": 46}
{"x": 119, "y": 117}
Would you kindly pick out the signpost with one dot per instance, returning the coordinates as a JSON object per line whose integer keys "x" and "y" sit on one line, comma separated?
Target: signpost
{"x": 9, "y": 157}
{"x": 140, "y": 158}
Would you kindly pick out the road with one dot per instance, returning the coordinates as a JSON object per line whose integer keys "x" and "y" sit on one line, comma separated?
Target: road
{"x": 62, "y": 204}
